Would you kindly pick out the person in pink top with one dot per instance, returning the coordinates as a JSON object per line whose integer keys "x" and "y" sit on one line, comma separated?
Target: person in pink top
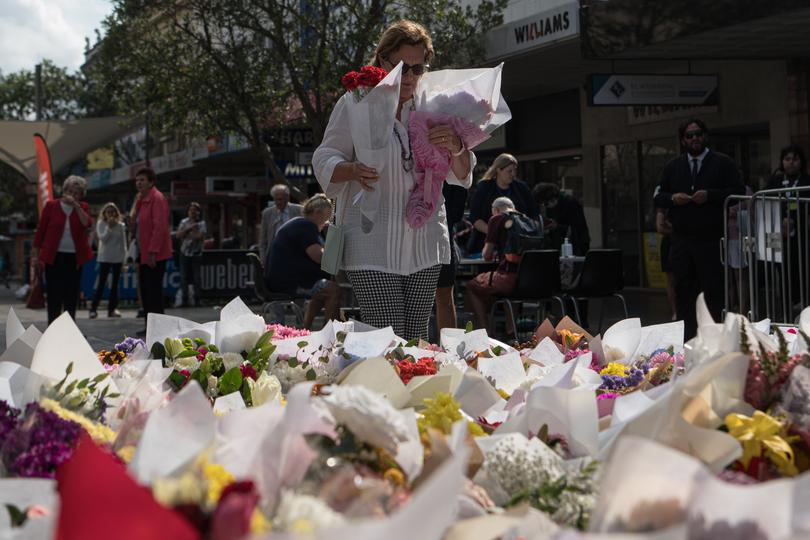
{"x": 154, "y": 239}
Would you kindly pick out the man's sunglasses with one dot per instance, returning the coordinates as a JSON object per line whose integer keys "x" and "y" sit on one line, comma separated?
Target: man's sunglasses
{"x": 418, "y": 69}
{"x": 689, "y": 135}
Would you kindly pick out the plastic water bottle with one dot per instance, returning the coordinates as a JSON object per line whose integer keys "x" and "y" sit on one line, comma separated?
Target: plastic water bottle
{"x": 567, "y": 248}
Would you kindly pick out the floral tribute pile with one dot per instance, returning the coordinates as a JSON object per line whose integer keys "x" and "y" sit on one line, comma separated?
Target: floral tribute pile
{"x": 237, "y": 429}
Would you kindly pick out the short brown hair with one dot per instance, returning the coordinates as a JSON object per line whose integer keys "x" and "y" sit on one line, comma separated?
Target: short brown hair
{"x": 148, "y": 172}
{"x": 403, "y": 32}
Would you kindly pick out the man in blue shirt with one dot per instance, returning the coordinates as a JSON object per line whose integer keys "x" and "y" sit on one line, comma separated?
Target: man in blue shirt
{"x": 294, "y": 263}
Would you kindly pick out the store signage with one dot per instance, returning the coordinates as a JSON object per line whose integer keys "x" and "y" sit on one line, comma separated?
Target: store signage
{"x": 290, "y": 137}
{"x": 649, "y": 114}
{"x": 538, "y": 30}
{"x": 608, "y": 89}
{"x": 223, "y": 274}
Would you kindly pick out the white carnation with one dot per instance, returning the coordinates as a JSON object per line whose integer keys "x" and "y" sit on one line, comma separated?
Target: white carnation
{"x": 231, "y": 360}
{"x": 296, "y": 512}
{"x": 368, "y": 415}
{"x": 289, "y": 376}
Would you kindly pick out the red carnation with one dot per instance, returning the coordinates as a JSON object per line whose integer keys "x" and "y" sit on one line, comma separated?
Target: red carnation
{"x": 248, "y": 371}
{"x": 408, "y": 370}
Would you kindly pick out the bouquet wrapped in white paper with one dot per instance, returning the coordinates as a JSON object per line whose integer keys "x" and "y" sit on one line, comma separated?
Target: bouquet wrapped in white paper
{"x": 467, "y": 99}
{"x": 371, "y": 105}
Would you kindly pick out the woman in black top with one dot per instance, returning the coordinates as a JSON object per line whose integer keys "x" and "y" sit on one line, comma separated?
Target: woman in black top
{"x": 499, "y": 181}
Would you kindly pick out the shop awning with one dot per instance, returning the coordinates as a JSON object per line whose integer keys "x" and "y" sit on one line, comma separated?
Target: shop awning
{"x": 67, "y": 140}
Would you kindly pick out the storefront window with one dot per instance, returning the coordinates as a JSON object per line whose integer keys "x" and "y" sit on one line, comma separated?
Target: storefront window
{"x": 620, "y": 204}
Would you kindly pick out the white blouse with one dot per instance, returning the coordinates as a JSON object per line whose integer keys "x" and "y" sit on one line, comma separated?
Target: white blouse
{"x": 391, "y": 246}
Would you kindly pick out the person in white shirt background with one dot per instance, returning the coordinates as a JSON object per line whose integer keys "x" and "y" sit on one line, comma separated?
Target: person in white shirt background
{"x": 274, "y": 216}
{"x": 112, "y": 250}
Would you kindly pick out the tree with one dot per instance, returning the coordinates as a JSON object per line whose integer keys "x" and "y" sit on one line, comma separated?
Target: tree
{"x": 202, "y": 67}
{"x": 64, "y": 95}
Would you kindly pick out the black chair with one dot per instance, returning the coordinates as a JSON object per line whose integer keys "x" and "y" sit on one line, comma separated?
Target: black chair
{"x": 538, "y": 280}
{"x": 272, "y": 301}
{"x": 602, "y": 277}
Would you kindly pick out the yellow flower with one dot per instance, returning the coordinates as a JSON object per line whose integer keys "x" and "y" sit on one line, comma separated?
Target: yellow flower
{"x": 394, "y": 476}
{"x": 762, "y": 432}
{"x": 259, "y": 524}
{"x": 217, "y": 479}
{"x": 614, "y": 368}
{"x": 126, "y": 453}
{"x": 100, "y": 433}
{"x": 301, "y": 526}
{"x": 186, "y": 489}
{"x": 441, "y": 413}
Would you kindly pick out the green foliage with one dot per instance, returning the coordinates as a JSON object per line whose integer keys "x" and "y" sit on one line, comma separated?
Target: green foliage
{"x": 231, "y": 381}
{"x": 17, "y": 517}
{"x": 259, "y": 357}
{"x": 239, "y": 66}
{"x": 84, "y": 396}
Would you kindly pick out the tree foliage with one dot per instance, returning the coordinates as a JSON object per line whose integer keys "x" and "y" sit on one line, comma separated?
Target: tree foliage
{"x": 202, "y": 67}
{"x": 65, "y": 95}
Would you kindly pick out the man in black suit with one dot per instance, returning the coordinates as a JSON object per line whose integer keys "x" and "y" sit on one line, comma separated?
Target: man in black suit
{"x": 694, "y": 187}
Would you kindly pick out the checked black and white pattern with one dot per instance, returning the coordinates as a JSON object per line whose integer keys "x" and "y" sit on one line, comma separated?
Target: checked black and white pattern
{"x": 402, "y": 302}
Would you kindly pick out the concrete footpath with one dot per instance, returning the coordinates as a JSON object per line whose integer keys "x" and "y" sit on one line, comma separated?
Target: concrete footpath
{"x": 102, "y": 332}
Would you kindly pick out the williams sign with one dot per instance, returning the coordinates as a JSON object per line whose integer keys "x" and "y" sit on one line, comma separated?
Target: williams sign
{"x": 538, "y": 30}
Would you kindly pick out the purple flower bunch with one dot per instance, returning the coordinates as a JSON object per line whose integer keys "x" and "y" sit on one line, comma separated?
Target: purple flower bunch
{"x": 35, "y": 443}
{"x": 129, "y": 344}
{"x": 616, "y": 383}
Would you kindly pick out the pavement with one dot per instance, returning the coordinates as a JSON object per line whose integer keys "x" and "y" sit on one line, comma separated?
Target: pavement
{"x": 103, "y": 332}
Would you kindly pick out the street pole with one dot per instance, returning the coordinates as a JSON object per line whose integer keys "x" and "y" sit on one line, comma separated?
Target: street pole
{"x": 38, "y": 90}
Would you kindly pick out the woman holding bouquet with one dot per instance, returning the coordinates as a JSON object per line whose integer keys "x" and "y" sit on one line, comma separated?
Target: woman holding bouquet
{"x": 393, "y": 268}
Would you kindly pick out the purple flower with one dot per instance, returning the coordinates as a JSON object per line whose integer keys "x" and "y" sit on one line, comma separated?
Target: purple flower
{"x": 42, "y": 460}
{"x": 129, "y": 344}
{"x": 8, "y": 419}
{"x": 36, "y": 443}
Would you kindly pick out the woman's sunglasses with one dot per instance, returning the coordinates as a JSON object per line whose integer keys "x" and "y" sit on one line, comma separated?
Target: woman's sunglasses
{"x": 418, "y": 69}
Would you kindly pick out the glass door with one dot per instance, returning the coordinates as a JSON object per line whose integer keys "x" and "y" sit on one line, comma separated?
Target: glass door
{"x": 620, "y": 206}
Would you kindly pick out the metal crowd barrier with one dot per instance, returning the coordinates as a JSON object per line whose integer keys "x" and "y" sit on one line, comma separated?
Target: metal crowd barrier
{"x": 766, "y": 268}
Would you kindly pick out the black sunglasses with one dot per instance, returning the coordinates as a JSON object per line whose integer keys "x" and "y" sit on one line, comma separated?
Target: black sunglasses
{"x": 692, "y": 134}
{"x": 418, "y": 69}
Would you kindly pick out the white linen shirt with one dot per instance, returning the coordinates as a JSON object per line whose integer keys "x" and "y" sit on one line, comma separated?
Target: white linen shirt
{"x": 391, "y": 246}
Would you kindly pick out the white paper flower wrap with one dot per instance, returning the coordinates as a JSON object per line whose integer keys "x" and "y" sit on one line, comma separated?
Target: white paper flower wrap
{"x": 369, "y": 416}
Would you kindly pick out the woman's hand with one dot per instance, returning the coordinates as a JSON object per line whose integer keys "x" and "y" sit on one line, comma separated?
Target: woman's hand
{"x": 365, "y": 175}
{"x": 70, "y": 200}
{"x": 444, "y": 136}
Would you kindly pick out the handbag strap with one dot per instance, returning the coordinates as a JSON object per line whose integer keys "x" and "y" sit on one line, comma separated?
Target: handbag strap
{"x": 343, "y": 214}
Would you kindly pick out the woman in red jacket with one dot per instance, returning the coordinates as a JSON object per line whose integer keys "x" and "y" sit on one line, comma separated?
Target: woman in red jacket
{"x": 154, "y": 240}
{"x": 61, "y": 244}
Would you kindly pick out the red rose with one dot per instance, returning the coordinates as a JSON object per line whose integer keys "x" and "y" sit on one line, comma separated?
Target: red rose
{"x": 350, "y": 80}
{"x": 371, "y": 75}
